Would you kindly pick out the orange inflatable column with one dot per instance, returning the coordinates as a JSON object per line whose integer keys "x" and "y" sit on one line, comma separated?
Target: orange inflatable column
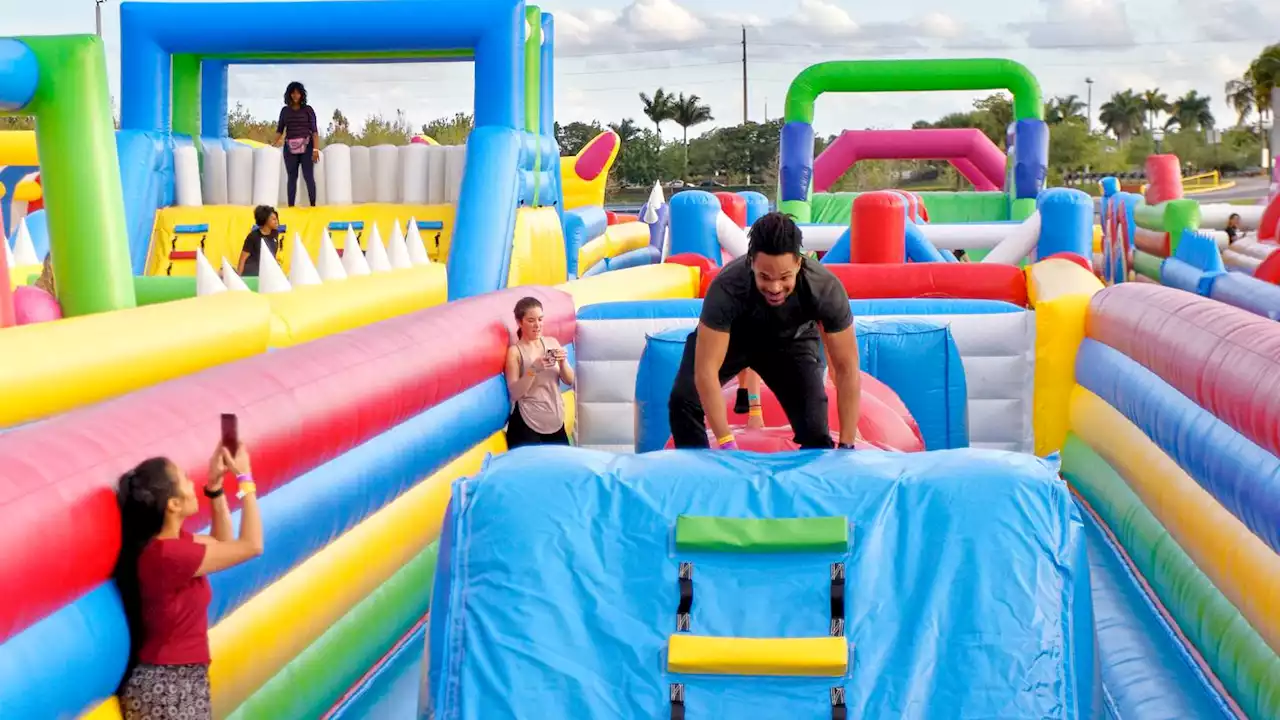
{"x": 735, "y": 206}
{"x": 878, "y": 230}
{"x": 1164, "y": 179}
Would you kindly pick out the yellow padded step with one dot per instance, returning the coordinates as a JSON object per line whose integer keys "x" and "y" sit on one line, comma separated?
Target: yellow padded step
{"x": 786, "y": 657}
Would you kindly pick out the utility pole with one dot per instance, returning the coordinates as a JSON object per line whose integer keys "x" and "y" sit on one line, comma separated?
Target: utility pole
{"x": 1088, "y": 118}
{"x": 97, "y": 16}
{"x": 744, "y": 74}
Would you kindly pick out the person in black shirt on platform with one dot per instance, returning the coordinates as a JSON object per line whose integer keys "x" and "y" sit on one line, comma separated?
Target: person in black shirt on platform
{"x": 773, "y": 311}
{"x": 266, "y": 233}
{"x": 299, "y": 134}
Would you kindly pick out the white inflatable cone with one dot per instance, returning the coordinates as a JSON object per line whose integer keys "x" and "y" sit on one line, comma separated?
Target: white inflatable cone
{"x": 330, "y": 265}
{"x": 271, "y": 278}
{"x": 397, "y": 250}
{"x": 233, "y": 281}
{"x": 655, "y": 201}
{"x": 207, "y": 280}
{"x": 301, "y": 270}
{"x": 352, "y": 256}
{"x": 376, "y": 254}
{"x": 417, "y": 249}
{"x": 24, "y": 251}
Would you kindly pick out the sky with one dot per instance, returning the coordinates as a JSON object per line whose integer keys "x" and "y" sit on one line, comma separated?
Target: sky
{"x": 608, "y": 51}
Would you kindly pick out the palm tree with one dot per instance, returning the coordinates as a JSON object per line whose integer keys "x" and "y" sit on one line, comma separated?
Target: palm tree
{"x": 1154, "y": 102}
{"x": 1240, "y": 98}
{"x": 1064, "y": 109}
{"x": 1191, "y": 112}
{"x": 658, "y": 108}
{"x": 1122, "y": 115}
{"x": 1264, "y": 75}
{"x": 688, "y": 112}
{"x": 626, "y": 130}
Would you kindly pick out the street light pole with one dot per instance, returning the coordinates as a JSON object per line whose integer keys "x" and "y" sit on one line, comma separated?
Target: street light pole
{"x": 1088, "y": 118}
{"x": 97, "y": 16}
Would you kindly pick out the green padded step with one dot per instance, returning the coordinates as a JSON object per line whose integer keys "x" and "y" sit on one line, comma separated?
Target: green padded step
{"x": 724, "y": 534}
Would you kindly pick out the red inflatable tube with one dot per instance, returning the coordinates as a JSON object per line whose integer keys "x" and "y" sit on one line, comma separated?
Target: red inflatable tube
{"x": 610, "y": 217}
{"x": 884, "y": 419}
{"x": 1224, "y": 358}
{"x": 298, "y": 408}
{"x": 878, "y": 228}
{"x": 735, "y": 206}
{"x": 1269, "y": 269}
{"x": 1269, "y": 227}
{"x": 974, "y": 281}
{"x": 707, "y": 268}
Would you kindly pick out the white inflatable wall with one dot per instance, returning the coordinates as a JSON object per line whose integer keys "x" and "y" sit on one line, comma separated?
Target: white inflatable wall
{"x": 411, "y": 174}
{"x": 997, "y": 351}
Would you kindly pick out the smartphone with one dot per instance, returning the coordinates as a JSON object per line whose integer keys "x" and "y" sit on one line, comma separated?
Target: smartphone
{"x": 230, "y": 431}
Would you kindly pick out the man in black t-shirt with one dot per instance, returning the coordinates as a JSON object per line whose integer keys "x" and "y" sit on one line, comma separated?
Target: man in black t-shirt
{"x": 772, "y": 311}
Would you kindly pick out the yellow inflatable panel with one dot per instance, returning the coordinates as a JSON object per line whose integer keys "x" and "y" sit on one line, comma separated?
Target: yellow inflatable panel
{"x": 108, "y": 710}
{"x": 647, "y": 282}
{"x": 537, "y": 252}
{"x": 1097, "y": 238}
{"x": 1238, "y": 562}
{"x": 53, "y": 367}
{"x": 229, "y": 224}
{"x": 579, "y": 190}
{"x": 785, "y": 657}
{"x": 22, "y": 275}
{"x": 260, "y": 637}
{"x": 1060, "y": 291}
{"x": 28, "y": 191}
{"x": 18, "y": 147}
{"x": 314, "y": 311}
{"x": 616, "y": 240}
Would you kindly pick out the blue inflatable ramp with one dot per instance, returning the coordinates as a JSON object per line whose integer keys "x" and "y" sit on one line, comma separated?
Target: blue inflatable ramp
{"x": 804, "y": 586}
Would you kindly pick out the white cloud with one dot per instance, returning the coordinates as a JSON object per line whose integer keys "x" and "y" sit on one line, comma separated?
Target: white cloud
{"x": 1079, "y": 24}
{"x": 1229, "y": 20}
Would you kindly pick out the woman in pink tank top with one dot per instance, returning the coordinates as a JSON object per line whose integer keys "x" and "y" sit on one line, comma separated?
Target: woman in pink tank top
{"x": 536, "y": 365}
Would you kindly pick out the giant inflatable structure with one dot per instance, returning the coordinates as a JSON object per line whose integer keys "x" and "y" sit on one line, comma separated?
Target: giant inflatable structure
{"x": 413, "y": 568}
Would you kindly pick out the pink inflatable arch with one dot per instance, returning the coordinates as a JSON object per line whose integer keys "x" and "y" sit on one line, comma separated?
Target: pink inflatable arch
{"x": 969, "y": 150}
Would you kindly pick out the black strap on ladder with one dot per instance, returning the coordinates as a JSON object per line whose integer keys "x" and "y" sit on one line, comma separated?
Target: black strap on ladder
{"x": 686, "y": 598}
{"x": 837, "y": 599}
{"x": 839, "y": 711}
{"x": 677, "y": 701}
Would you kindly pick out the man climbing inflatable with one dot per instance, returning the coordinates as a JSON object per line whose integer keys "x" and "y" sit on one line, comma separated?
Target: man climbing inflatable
{"x": 773, "y": 311}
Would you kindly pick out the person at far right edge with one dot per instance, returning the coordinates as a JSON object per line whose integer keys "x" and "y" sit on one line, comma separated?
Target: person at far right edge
{"x": 773, "y": 311}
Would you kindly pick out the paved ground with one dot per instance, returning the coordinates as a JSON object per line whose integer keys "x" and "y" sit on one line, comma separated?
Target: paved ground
{"x": 1247, "y": 188}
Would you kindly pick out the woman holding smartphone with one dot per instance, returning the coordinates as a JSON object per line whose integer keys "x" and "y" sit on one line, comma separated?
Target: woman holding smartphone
{"x": 536, "y": 365}
{"x": 162, "y": 575}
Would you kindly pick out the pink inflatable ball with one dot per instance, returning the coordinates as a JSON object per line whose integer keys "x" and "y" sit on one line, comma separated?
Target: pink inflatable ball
{"x": 32, "y": 305}
{"x": 883, "y": 420}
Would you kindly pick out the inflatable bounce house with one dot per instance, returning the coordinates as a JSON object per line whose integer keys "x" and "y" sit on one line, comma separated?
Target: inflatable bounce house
{"x": 415, "y": 569}
{"x": 1163, "y": 237}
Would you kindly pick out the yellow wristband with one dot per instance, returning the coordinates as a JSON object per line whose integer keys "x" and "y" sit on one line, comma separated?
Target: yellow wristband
{"x": 756, "y": 411}
{"x": 726, "y": 439}
{"x": 247, "y": 488}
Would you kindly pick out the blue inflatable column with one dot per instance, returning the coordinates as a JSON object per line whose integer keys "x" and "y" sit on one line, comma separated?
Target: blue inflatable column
{"x": 213, "y": 99}
{"x": 554, "y": 194}
{"x": 655, "y": 377}
{"x": 757, "y": 205}
{"x": 795, "y": 170}
{"x": 1031, "y": 159}
{"x": 1066, "y": 223}
{"x": 581, "y": 226}
{"x": 693, "y": 224}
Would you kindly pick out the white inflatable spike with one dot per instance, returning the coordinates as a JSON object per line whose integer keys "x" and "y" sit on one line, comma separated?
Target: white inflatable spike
{"x": 207, "y": 280}
{"x": 24, "y": 250}
{"x": 232, "y": 280}
{"x": 397, "y": 250}
{"x": 417, "y": 249}
{"x": 271, "y": 278}
{"x": 302, "y": 271}
{"x": 352, "y": 257}
{"x": 655, "y": 201}
{"x": 329, "y": 264}
{"x": 376, "y": 254}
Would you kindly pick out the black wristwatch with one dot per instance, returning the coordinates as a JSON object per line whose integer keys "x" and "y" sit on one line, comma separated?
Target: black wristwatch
{"x": 213, "y": 494}
{"x": 844, "y": 446}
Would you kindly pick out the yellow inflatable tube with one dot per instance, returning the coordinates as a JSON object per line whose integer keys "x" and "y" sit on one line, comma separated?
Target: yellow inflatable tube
{"x": 779, "y": 657}
{"x": 1060, "y": 291}
{"x": 616, "y": 240}
{"x": 314, "y": 311}
{"x": 52, "y": 367}
{"x": 537, "y": 253}
{"x": 1238, "y": 562}
{"x": 18, "y": 147}
{"x": 647, "y": 282}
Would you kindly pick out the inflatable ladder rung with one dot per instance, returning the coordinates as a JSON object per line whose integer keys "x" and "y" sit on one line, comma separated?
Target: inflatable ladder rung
{"x": 357, "y": 225}
{"x": 754, "y": 535}
{"x": 430, "y": 225}
{"x": 676, "y": 692}
{"x": 779, "y": 657}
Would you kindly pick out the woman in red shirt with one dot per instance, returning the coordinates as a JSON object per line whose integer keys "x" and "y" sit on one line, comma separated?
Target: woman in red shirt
{"x": 161, "y": 575}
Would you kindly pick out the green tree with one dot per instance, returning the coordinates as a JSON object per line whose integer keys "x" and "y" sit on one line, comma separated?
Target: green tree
{"x": 339, "y": 130}
{"x": 1240, "y": 98}
{"x": 1067, "y": 108}
{"x": 1122, "y": 115}
{"x": 242, "y": 125}
{"x": 451, "y": 130}
{"x": 1191, "y": 112}
{"x": 1154, "y": 103}
{"x": 687, "y": 112}
{"x": 575, "y": 136}
{"x": 381, "y": 130}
